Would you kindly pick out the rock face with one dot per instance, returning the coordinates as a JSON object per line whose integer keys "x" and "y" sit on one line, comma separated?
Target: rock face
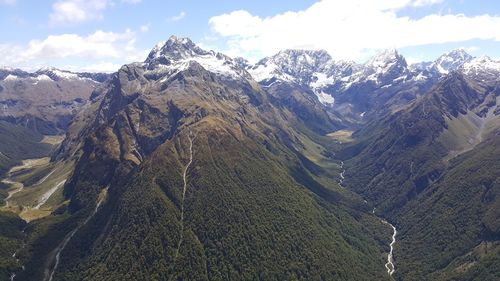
{"x": 46, "y": 100}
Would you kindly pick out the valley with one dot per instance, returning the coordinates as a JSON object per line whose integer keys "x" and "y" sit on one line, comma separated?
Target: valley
{"x": 193, "y": 165}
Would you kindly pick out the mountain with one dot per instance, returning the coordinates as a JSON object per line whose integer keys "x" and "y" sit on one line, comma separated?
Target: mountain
{"x": 314, "y": 69}
{"x": 433, "y": 169}
{"x": 385, "y": 81}
{"x": 186, "y": 168}
{"x": 292, "y": 65}
{"x": 347, "y": 88}
{"x": 450, "y": 61}
{"x": 45, "y": 101}
{"x": 193, "y": 165}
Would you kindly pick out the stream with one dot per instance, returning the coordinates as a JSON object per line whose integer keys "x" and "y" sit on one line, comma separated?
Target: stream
{"x": 184, "y": 188}
{"x": 389, "y": 265}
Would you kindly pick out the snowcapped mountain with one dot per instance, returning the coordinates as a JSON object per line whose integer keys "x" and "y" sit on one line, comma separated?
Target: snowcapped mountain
{"x": 50, "y": 74}
{"x": 327, "y": 77}
{"x": 292, "y": 65}
{"x": 315, "y": 69}
{"x": 483, "y": 66}
{"x": 45, "y": 100}
{"x": 450, "y": 61}
{"x": 330, "y": 79}
{"x": 387, "y": 67}
{"x": 58, "y": 74}
{"x": 177, "y": 54}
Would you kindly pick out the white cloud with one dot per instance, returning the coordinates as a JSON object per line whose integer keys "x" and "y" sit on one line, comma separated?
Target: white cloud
{"x": 178, "y": 17}
{"x": 96, "y": 45}
{"x": 419, "y": 3}
{"x": 97, "y": 50}
{"x": 349, "y": 29}
{"x": 77, "y": 11}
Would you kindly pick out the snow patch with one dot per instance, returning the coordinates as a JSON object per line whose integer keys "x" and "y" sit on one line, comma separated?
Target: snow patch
{"x": 65, "y": 75}
{"x": 267, "y": 72}
{"x": 11, "y": 77}
{"x": 322, "y": 80}
{"x": 42, "y": 77}
{"x": 325, "y": 98}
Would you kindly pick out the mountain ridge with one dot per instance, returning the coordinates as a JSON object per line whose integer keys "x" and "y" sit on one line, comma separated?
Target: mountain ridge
{"x": 183, "y": 166}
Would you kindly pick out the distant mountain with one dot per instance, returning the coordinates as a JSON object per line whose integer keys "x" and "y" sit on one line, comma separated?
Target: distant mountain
{"x": 385, "y": 82}
{"x": 450, "y": 61}
{"x": 314, "y": 69}
{"x": 46, "y": 100}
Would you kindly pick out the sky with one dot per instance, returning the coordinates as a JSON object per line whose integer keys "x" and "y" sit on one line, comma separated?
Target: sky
{"x": 102, "y": 35}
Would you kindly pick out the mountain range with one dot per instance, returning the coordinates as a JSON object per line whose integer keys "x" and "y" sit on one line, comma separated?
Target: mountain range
{"x": 193, "y": 165}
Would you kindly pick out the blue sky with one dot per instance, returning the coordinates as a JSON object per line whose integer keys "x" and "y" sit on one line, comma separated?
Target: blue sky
{"x": 101, "y": 35}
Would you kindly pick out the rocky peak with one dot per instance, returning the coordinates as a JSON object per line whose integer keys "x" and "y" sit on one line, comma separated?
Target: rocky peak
{"x": 175, "y": 49}
{"x": 450, "y": 61}
{"x": 302, "y": 59}
{"x": 298, "y": 62}
{"x": 242, "y": 62}
{"x": 178, "y": 54}
{"x": 387, "y": 67}
{"x": 387, "y": 59}
{"x": 483, "y": 66}
{"x": 292, "y": 65}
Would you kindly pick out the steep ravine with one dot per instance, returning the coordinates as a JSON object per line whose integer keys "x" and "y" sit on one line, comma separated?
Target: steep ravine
{"x": 55, "y": 257}
{"x": 389, "y": 265}
{"x": 184, "y": 188}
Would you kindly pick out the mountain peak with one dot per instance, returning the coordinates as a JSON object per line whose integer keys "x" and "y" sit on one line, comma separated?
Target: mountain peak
{"x": 175, "y": 48}
{"x": 292, "y": 65}
{"x": 450, "y": 61}
{"x": 483, "y": 65}
{"x": 386, "y": 67}
{"x": 385, "y": 57}
{"x": 458, "y": 54}
{"x": 294, "y": 57}
{"x": 177, "y": 54}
